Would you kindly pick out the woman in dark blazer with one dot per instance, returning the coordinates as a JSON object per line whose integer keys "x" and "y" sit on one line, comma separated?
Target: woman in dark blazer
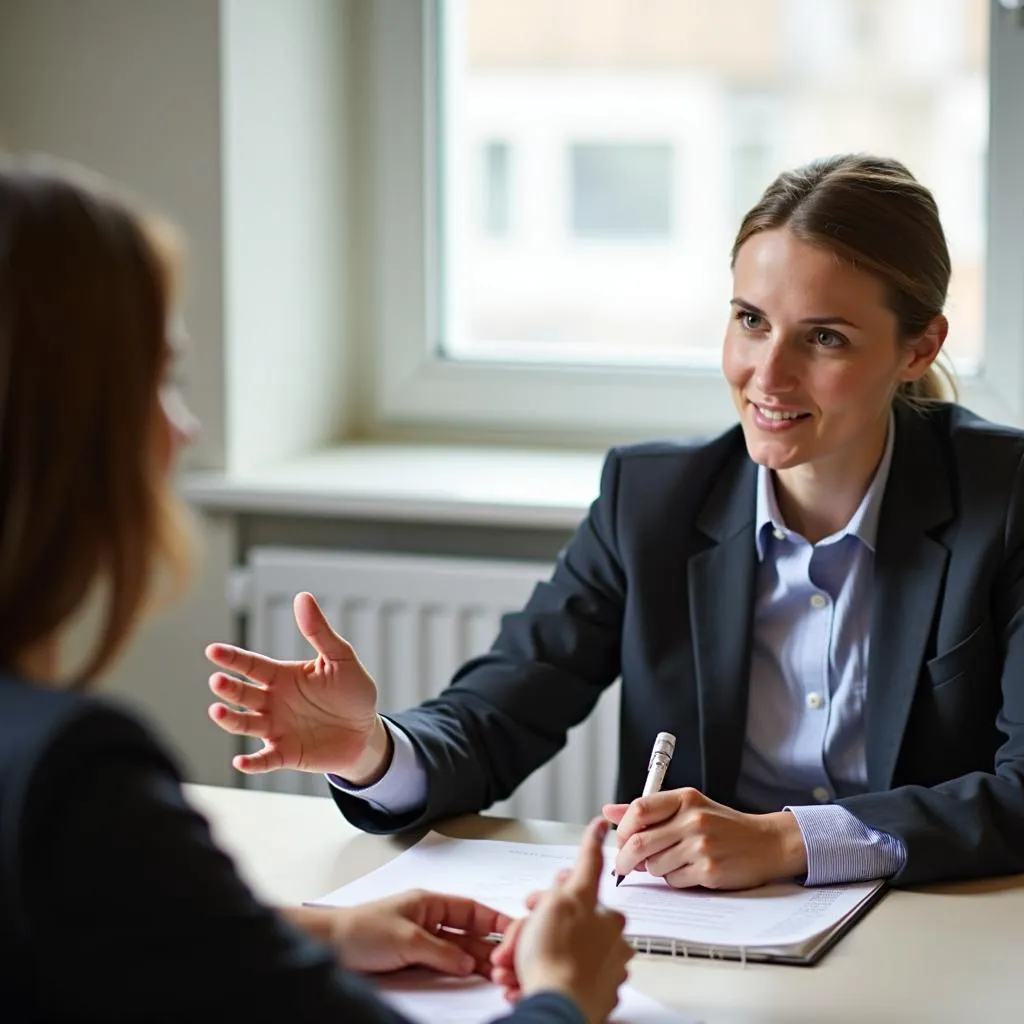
{"x": 115, "y": 902}
{"x": 825, "y": 604}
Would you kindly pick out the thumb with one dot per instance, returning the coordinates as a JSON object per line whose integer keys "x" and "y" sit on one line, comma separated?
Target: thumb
{"x": 504, "y": 954}
{"x": 614, "y": 812}
{"x": 438, "y": 954}
{"x": 314, "y": 626}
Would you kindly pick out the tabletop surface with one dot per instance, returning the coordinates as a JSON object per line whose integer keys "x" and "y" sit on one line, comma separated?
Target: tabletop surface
{"x": 944, "y": 953}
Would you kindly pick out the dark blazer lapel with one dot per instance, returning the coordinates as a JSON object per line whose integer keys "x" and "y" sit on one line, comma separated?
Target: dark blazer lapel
{"x": 720, "y": 580}
{"x": 909, "y": 570}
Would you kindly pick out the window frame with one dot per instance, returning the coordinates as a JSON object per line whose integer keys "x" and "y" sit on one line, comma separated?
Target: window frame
{"x": 415, "y": 387}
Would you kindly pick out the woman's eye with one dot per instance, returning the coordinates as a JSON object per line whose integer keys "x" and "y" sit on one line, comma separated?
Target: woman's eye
{"x": 751, "y": 321}
{"x": 829, "y": 339}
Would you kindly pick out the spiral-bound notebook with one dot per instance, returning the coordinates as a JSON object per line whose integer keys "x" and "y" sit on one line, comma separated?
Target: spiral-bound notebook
{"x": 780, "y": 923}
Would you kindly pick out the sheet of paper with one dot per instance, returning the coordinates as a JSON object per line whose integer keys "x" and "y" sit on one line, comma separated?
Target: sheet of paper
{"x": 428, "y": 998}
{"x": 503, "y": 874}
{"x": 772, "y": 915}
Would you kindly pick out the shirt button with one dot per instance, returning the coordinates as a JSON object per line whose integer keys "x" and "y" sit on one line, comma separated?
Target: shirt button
{"x": 814, "y": 701}
{"x": 779, "y": 534}
{"x": 818, "y": 601}
{"x": 821, "y": 794}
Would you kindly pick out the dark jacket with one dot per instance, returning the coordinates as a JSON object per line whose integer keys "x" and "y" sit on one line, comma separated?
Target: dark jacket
{"x": 116, "y": 904}
{"x": 658, "y": 584}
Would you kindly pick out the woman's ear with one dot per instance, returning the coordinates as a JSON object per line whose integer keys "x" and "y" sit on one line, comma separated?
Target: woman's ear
{"x": 922, "y": 351}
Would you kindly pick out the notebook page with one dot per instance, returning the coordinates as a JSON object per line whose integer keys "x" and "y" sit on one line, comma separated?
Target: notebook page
{"x": 502, "y": 875}
{"x": 496, "y": 873}
{"x": 771, "y": 915}
{"x": 427, "y": 998}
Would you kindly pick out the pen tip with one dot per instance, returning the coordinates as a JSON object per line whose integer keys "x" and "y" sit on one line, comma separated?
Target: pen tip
{"x": 618, "y": 880}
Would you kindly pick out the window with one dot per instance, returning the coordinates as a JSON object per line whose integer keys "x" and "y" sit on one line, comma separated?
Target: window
{"x": 496, "y": 206}
{"x": 621, "y": 190}
{"x": 582, "y": 290}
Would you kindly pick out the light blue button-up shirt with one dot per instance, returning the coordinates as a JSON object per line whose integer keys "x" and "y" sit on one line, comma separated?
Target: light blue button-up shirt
{"x": 808, "y": 680}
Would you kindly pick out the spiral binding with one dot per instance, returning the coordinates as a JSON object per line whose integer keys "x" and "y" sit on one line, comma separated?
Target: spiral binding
{"x": 678, "y": 948}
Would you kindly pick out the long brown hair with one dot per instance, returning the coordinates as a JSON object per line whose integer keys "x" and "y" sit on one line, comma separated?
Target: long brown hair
{"x": 874, "y": 214}
{"x": 86, "y": 286}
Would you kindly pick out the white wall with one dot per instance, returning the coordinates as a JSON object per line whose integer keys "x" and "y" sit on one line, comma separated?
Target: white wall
{"x": 188, "y": 102}
{"x": 130, "y": 88}
{"x": 285, "y": 207}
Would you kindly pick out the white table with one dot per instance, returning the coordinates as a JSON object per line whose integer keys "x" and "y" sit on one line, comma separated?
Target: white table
{"x": 948, "y": 953}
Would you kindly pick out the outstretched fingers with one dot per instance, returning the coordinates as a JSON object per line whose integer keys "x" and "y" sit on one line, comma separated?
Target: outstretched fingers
{"x": 257, "y": 667}
{"x": 239, "y": 723}
{"x": 266, "y": 760}
{"x": 239, "y": 692}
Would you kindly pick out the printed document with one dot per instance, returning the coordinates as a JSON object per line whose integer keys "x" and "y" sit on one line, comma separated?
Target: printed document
{"x": 502, "y": 874}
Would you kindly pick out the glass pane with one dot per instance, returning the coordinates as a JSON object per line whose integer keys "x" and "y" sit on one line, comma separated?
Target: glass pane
{"x": 496, "y": 185}
{"x": 597, "y": 157}
{"x": 620, "y": 190}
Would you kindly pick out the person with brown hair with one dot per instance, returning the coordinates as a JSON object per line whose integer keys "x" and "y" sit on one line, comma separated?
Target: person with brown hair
{"x": 825, "y": 604}
{"x": 115, "y": 902}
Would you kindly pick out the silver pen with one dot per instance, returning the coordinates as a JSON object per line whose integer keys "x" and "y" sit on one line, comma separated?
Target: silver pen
{"x": 661, "y": 755}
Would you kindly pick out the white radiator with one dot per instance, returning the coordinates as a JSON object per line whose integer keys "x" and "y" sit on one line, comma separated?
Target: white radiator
{"x": 413, "y": 620}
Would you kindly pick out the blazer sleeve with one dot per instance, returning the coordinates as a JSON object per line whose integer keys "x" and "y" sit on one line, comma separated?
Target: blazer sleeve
{"x": 508, "y": 712}
{"x": 972, "y": 826}
{"x": 128, "y": 909}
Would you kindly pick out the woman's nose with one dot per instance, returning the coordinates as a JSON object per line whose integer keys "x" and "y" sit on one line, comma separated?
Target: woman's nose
{"x": 776, "y": 370}
{"x": 183, "y": 422}
{"x": 187, "y": 432}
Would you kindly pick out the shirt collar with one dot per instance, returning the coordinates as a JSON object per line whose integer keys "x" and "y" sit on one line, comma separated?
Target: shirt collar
{"x": 863, "y": 523}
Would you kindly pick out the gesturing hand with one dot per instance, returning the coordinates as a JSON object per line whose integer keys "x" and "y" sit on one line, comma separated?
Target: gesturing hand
{"x": 689, "y": 840}
{"x": 416, "y": 928}
{"x": 317, "y": 716}
{"x": 569, "y": 943}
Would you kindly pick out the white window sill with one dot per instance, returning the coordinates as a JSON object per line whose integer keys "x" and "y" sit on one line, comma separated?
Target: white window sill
{"x": 480, "y": 486}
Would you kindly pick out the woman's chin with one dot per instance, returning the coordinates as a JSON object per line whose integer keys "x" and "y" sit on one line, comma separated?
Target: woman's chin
{"x": 773, "y": 454}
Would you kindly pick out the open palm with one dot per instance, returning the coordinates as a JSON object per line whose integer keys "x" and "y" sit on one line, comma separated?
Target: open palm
{"x": 315, "y": 715}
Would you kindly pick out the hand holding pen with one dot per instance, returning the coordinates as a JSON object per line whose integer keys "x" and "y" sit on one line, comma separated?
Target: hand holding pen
{"x": 661, "y": 756}
{"x": 688, "y": 839}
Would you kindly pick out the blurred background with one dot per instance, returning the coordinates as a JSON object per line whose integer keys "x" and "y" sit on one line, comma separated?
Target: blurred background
{"x": 599, "y": 155}
{"x": 442, "y": 253}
